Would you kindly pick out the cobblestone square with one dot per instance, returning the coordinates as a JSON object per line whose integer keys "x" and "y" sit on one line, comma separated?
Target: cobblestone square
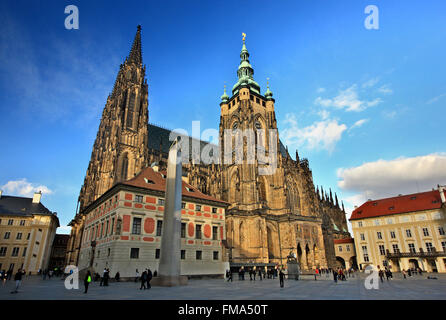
{"x": 413, "y": 288}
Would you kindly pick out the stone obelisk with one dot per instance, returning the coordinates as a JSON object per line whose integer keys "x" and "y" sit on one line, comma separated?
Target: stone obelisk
{"x": 170, "y": 263}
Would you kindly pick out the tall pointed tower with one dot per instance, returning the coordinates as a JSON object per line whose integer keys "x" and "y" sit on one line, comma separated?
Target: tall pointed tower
{"x": 120, "y": 150}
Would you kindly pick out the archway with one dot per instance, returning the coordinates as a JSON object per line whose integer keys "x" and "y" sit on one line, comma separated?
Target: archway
{"x": 307, "y": 254}
{"x": 353, "y": 263}
{"x": 413, "y": 264}
{"x": 340, "y": 262}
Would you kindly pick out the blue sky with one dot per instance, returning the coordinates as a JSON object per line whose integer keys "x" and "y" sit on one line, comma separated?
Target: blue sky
{"x": 366, "y": 107}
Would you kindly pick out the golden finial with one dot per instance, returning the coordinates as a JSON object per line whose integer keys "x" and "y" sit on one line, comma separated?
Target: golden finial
{"x": 267, "y": 82}
{"x": 244, "y": 36}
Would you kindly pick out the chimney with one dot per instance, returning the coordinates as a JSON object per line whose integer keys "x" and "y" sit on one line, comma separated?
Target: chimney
{"x": 37, "y": 196}
{"x": 440, "y": 188}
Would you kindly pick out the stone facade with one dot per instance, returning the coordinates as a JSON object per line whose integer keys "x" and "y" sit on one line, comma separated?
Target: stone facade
{"x": 269, "y": 216}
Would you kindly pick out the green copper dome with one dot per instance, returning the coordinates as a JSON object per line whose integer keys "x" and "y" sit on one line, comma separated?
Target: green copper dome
{"x": 245, "y": 73}
{"x": 224, "y": 97}
{"x": 268, "y": 93}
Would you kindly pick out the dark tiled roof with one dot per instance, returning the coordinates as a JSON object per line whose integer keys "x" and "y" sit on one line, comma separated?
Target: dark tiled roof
{"x": 152, "y": 180}
{"x": 19, "y": 206}
{"x": 401, "y": 204}
{"x": 159, "y": 136}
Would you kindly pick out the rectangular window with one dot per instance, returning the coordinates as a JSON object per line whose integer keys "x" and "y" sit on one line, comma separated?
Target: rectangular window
{"x": 157, "y": 253}
{"x": 198, "y": 255}
{"x": 28, "y": 236}
{"x": 138, "y": 198}
{"x": 10, "y": 222}
{"x": 385, "y": 263}
{"x": 3, "y": 251}
{"x": 443, "y": 245}
{"x": 215, "y": 255}
{"x": 360, "y": 224}
{"x": 183, "y": 205}
{"x": 409, "y": 233}
{"x": 19, "y": 236}
{"x": 412, "y": 248}
{"x": 429, "y": 246}
{"x": 183, "y": 230}
{"x": 441, "y": 231}
{"x": 106, "y": 228}
{"x": 183, "y": 254}
{"x": 365, "y": 254}
{"x": 348, "y": 247}
{"x": 426, "y": 232}
{"x": 392, "y": 234}
{"x": 7, "y": 235}
{"x": 395, "y": 248}
{"x": 159, "y": 228}
{"x": 24, "y": 252}
{"x": 136, "y": 229}
{"x": 379, "y": 235}
{"x": 198, "y": 231}
{"x": 340, "y": 248}
{"x": 160, "y": 201}
{"x": 22, "y": 222}
{"x": 214, "y": 233}
{"x": 198, "y": 207}
{"x": 382, "y": 250}
{"x": 15, "y": 252}
{"x": 134, "y": 253}
{"x": 362, "y": 236}
{"x": 214, "y": 210}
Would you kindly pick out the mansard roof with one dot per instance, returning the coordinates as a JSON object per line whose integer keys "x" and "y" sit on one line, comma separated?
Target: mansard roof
{"x": 401, "y": 204}
{"x": 21, "y": 206}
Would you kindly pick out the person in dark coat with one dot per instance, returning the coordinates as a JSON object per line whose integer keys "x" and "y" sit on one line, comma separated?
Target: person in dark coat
{"x": 87, "y": 281}
{"x": 335, "y": 276}
{"x": 260, "y": 273}
{"x": 281, "y": 278}
{"x": 117, "y": 276}
{"x": 149, "y": 277}
{"x": 143, "y": 280}
{"x": 18, "y": 280}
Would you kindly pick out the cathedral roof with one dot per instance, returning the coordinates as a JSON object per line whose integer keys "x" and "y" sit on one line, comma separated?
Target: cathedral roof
{"x": 340, "y": 241}
{"x": 153, "y": 180}
{"x": 400, "y": 204}
{"x": 159, "y": 137}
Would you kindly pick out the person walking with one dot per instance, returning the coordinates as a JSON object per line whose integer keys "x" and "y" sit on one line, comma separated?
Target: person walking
{"x": 137, "y": 275}
{"x": 316, "y": 273}
{"x": 143, "y": 280}
{"x": 381, "y": 275}
{"x": 260, "y": 273}
{"x": 18, "y": 280}
{"x": 87, "y": 281}
{"x": 117, "y": 276}
{"x": 149, "y": 277}
{"x": 335, "y": 276}
{"x": 281, "y": 278}
{"x": 404, "y": 273}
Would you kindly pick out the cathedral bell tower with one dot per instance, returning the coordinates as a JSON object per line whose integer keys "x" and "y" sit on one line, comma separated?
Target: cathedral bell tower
{"x": 120, "y": 149}
{"x": 248, "y": 110}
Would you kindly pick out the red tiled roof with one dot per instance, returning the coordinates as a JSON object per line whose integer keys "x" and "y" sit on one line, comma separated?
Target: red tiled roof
{"x": 339, "y": 241}
{"x": 401, "y": 204}
{"x": 152, "y": 180}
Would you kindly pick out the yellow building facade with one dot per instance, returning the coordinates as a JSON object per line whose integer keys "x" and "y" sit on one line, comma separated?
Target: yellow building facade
{"x": 27, "y": 231}
{"x": 404, "y": 232}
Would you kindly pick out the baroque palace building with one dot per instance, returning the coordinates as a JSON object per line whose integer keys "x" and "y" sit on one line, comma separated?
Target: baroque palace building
{"x": 403, "y": 232}
{"x": 269, "y": 216}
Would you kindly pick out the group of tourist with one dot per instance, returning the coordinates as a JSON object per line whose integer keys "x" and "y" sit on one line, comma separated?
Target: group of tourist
{"x": 262, "y": 273}
{"x": 7, "y": 275}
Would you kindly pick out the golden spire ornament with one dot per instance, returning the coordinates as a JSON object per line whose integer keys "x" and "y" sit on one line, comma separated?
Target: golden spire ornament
{"x": 244, "y": 36}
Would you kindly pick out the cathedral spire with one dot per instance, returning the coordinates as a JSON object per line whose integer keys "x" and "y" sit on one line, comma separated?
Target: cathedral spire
{"x": 245, "y": 72}
{"x": 135, "y": 53}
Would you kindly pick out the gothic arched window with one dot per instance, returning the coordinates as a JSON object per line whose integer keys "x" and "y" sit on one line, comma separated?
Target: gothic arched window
{"x": 124, "y": 167}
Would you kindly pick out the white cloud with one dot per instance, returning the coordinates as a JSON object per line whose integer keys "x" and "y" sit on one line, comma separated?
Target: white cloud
{"x": 64, "y": 230}
{"x": 347, "y": 99}
{"x": 320, "y": 135}
{"x": 358, "y": 123}
{"x": 385, "y": 89}
{"x": 324, "y": 114}
{"x": 24, "y": 188}
{"x": 387, "y": 178}
{"x": 370, "y": 83}
{"x": 320, "y": 90}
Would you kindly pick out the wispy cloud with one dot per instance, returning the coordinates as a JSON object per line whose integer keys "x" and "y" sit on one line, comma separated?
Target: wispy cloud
{"x": 370, "y": 83}
{"x": 358, "y": 124}
{"x": 385, "y": 89}
{"x": 435, "y": 99}
{"x": 24, "y": 188}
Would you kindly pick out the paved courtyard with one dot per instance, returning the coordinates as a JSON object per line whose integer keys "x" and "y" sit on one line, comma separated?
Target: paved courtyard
{"x": 414, "y": 288}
